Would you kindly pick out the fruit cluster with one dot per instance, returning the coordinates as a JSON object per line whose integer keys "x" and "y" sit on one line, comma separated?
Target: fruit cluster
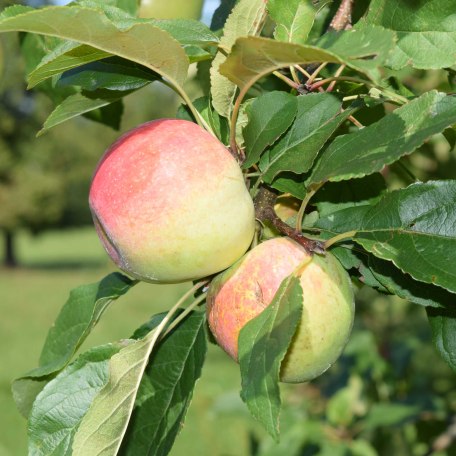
{"x": 170, "y": 204}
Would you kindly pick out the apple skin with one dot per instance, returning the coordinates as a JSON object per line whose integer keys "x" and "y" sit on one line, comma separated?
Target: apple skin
{"x": 241, "y": 293}
{"x": 170, "y": 204}
{"x": 171, "y": 9}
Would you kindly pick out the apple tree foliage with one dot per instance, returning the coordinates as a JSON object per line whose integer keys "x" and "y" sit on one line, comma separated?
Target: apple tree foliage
{"x": 316, "y": 104}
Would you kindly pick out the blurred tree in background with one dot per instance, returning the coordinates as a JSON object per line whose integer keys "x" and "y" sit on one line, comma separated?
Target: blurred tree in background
{"x": 44, "y": 181}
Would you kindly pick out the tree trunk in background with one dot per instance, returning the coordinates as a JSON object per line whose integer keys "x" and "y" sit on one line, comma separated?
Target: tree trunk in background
{"x": 10, "y": 257}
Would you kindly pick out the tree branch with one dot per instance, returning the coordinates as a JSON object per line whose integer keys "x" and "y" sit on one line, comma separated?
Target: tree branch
{"x": 342, "y": 19}
{"x": 264, "y": 211}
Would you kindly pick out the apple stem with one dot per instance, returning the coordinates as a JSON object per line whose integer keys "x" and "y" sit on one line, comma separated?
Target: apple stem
{"x": 192, "y": 306}
{"x": 235, "y": 150}
{"x": 311, "y": 192}
{"x": 264, "y": 211}
{"x": 198, "y": 117}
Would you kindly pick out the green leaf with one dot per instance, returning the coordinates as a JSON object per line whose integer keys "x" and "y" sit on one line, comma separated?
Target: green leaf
{"x": 356, "y": 261}
{"x": 263, "y": 343}
{"x": 61, "y": 405}
{"x": 316, "y": 120}
{"x": 111, "y": 74}
{"x": 245, "y": 19}
{"x": 414, "y": 227}
{"x": 294, "y": 19}
{"x": 397, "y": 134}
{"x": 77, "y": 318}
{"x": 288, "y": 182}
{"x": 24, "y": 392}
{"x": 335, "y": 196}
{"x": 344, "y": 406}
{"x": 389, "y": 415}
{"x": 69, "y": 54}
{"x": 166, "y": 389}
{"x": 142, "y": 42}
{"x": 269, "y": 116}
{"x": 426, "y": 31}
{"x": 203, "y": 105}
{"x": 110, "y": 115}
{"x": 187, "y": 31}
{"x": 66, "y": 56}
{"x": 103, "y": 427}
{"x": 387, "y": 278}
{"x": 443, "y": 327}
{"x": 34, "y": 48}
{"x": 401, "y": 284}
{"x": 79, "y": 103}
{"x": 253, "y": 57}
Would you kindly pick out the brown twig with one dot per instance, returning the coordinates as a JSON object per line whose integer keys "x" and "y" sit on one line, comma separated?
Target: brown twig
{"x": 342, "y": 19}
{"x": 264, "y": 211}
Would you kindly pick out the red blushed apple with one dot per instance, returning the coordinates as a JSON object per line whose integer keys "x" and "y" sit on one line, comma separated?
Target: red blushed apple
{"x": 240, "y": 293}
{"x": 170, "y": 204}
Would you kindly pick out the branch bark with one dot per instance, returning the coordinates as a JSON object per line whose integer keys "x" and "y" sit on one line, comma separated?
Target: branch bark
{"x": 264, "y": 211}
{"x": 343, "y": 17}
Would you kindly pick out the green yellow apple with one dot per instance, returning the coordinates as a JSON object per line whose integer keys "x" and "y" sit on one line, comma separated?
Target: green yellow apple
{"x": 170, "y": 204}
{"x": 171, "y": 9}
{"x": 241, "y": 293}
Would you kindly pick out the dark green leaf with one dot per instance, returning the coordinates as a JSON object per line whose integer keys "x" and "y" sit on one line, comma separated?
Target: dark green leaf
{"x": 414, "y": 227}
{"x": 335, "y": 196}
{"x": 426, "y": 31}
{"x": 263, "y": 343}
{"x": 269, "y": 117}
{"x": 443, "y": 326}
{"x": 166, "y": 389}
{"x": 316, "y": 119}
{"x": 110, "y": 115}
{"x": 112, "y": 74}
{"x": 356, "y": 261}
{"x": 61, "y": 405}
{"x": 77, "y": 318}
{"x": 402, "y": 285}
{"x": 399, "y": 133}
{"x": 288, "y": 182}
{"x": 387, "y": 278}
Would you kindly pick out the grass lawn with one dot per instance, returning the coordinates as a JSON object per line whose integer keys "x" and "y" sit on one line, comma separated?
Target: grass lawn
{"x": 31, "y": 297}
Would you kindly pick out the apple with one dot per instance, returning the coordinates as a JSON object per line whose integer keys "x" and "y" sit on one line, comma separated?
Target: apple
{"x": 241, "y": 293}
{"x": 171, "y": 9}
{"x": 170, "y": 204}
